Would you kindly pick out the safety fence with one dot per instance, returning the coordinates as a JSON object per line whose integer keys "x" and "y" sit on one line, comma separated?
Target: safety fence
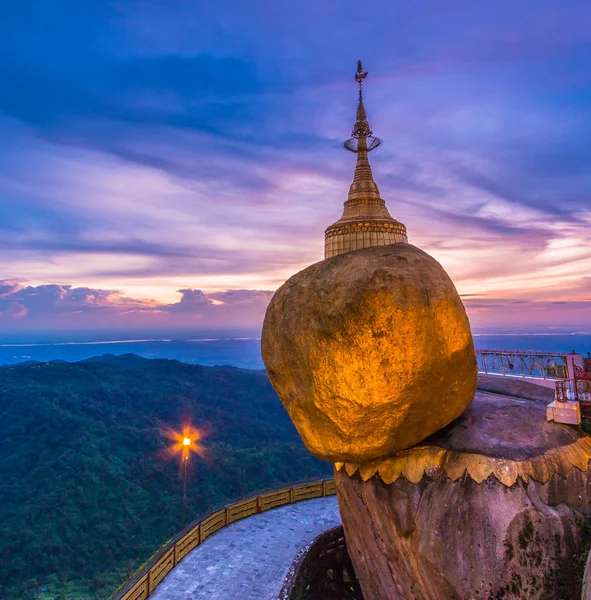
{"x": 145, "y": 581}
{"x": 523, "y": 363}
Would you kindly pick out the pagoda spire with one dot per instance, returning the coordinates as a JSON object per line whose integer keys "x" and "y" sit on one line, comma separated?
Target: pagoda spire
{"x": 361, "y": 127}
{"x": 361, "y": 131}
{"x": 365, "y": 221}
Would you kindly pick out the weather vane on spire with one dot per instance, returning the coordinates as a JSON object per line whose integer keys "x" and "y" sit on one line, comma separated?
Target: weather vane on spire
{"x": 362, "y": 139}
{"x": 359, "y": 77}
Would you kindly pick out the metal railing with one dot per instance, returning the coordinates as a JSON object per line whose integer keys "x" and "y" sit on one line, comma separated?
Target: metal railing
{"x": 523, "y": 363}
{"x": 143, "y": 583}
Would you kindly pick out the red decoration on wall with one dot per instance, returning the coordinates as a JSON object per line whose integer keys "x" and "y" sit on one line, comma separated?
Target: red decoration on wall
{"x": 580, "y": 374}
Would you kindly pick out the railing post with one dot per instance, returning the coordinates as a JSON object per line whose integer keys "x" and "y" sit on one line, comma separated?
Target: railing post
{"x": 174, "y": 556}
{"x": 291, "y": 495}
{"x": 259, "y": 507}
{"x": 199, "y": 540}
{"x": 574, "y": 360}
{"x": 149, "y": 584}
{"x": 323, "y": 488}
{"x": 226, "y": 516}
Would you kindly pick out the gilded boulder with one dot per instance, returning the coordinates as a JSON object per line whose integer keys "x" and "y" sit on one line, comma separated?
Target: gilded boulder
{"x": 370, "y": 352}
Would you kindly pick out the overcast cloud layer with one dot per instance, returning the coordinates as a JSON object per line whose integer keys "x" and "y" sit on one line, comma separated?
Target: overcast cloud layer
{"x": 155, "y": 147}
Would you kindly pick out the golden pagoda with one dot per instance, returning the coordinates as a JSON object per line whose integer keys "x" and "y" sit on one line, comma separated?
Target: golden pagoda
{"x": 366, "y": 221}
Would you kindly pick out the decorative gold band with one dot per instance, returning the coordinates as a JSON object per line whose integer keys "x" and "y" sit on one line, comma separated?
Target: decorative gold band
{"x": 435, "y": 462}
{"x": 362, "y": 226}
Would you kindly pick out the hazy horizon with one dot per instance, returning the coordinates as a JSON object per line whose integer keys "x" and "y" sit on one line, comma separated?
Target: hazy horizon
{"x": 105, "y": 336}
{"x": 245, "y": 352}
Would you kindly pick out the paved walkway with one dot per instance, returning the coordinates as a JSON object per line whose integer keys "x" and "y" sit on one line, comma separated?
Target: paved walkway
{"x": 249, "y": 559}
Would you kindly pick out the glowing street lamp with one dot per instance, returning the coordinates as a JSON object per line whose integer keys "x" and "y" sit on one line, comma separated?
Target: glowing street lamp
{"x": 185, "y": 443}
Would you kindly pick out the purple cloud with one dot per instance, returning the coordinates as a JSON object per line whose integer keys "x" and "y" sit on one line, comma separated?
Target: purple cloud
{"x": 191, "y": 301}
{"x": 192, "y": 148}
{"x": 65, "y": 308}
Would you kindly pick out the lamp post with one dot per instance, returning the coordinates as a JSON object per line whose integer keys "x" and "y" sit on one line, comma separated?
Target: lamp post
{"x": 185, "y": 441}
{"x": 186, "y": 447}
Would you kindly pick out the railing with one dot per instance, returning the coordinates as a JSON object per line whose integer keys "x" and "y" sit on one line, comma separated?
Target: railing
{"x": 523, "y": 363}
{"x": 145, "y": 581}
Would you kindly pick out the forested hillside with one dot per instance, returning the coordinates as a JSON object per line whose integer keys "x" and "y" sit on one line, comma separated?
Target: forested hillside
{"x": 86, "y": 491}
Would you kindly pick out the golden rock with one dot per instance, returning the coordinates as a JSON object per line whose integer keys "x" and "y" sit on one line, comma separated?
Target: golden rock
{"x": 370, "y": 352}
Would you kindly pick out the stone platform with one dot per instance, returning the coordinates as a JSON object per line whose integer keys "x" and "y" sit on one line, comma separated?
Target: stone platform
{"x": 249, "y": 560}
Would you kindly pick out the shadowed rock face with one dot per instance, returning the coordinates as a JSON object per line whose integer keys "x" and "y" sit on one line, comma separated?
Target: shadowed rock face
{"x": 461, "y": 540}
{"x": 370, "y": 352}
{"x": 445, "y": 539}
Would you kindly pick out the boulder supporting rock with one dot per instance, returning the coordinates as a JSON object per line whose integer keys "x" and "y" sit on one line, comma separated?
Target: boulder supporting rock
{"x": 443, "y": 522}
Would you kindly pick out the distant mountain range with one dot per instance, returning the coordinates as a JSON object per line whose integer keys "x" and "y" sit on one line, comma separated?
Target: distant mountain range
{"x": 122, "y": 361}
{"x": 87, "y": 489}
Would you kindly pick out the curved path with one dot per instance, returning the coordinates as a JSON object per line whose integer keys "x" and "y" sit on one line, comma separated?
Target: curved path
{"x": 249, "y": 560}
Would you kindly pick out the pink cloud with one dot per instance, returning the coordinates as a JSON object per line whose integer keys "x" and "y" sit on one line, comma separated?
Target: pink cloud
{"x": 67, "y": 308}
{"x": 63, "y": 308}
{"x": 522, "y": 315}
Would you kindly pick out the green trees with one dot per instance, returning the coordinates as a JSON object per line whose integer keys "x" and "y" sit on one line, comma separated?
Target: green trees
{"x": 87, "y": 489}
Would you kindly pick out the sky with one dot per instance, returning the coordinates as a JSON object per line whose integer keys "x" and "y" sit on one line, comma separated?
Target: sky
{"x": 170, "y": 164}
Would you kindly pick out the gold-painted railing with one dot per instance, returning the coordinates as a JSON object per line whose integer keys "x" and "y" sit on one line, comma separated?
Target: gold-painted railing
{"x": 145, "y": 581}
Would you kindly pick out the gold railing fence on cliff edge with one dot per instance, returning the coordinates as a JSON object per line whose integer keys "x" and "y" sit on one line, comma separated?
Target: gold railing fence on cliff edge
{"x": 143, "y": 583}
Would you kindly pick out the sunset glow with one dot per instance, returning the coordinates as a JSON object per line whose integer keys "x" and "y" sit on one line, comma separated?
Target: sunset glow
{"x": 151, "y": 181}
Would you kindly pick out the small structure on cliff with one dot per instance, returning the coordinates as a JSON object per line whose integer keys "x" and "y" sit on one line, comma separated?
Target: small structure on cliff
{"x": 564, "y": 409}
{"x": 371, "y": 353}
{"x": 366, "y": 221}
